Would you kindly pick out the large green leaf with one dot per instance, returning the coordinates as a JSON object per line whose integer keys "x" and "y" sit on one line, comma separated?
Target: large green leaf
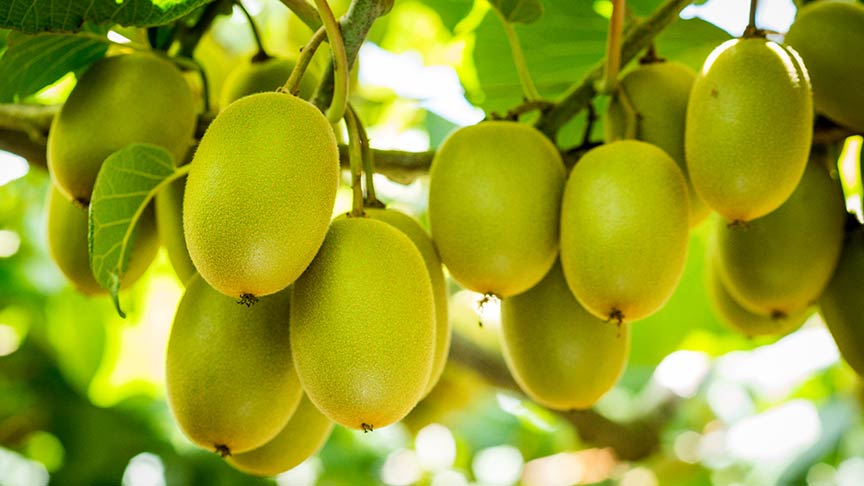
{"x": 450, "y": 11}
{"x": 32, "y": 62}
{"x": 34, "y": 16}
{"x": 128, "y": 180}
{"x": 563, "y": 45}
{"x": 559, "y": 49}
{"x": 519, "y": 11}
{"x": 690, "y": 41}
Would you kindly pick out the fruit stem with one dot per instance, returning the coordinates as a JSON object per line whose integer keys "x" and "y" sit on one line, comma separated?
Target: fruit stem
{"x": 340, "y": 62}
{"x": 631, "y": 115}
{"x": 751, "y": 30}
{"x": 193, "y": 65}
{"x": 613, "y": 46}
{"x": 590, "y": 119}
{"x": 261, "y": 55}
{"x": 355, "y": 158}
{"x": 513, "y": 114}
{"x": 292, "y": 85}
{"x": 752, "y": 23}
{"x": 651, "y": 56}
{"x": 529, "y": 90}
{"x": 189, "y": 37}
{"x": 371, "y": 200}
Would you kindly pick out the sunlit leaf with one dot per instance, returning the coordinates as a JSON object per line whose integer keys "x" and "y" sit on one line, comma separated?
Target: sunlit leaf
{"x": 126, "y": 183}
{"x": 450, "y": 11}
{"x": 69, "y": 16}
{"x": 32, "y": 62}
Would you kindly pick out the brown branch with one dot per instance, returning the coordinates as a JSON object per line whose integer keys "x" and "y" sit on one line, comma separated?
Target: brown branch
{"x": 397, "y": 165}
{"x": 33, "y": 120}
{"x": 24, "y": 131}
{"x": 631, "y": 441}
{"x": 20, "y": 144}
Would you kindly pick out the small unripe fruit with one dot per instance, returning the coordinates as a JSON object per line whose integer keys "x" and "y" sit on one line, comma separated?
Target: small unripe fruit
{"x": 842, "y": 303}
{"x": 829, "y": 35}
{"x": 749, "y": 127}
{"x": 494, "y": 199}
{"x": 169, "y": 219}
{"x": 67, "y": 243}
{"x": 562, "y": 356}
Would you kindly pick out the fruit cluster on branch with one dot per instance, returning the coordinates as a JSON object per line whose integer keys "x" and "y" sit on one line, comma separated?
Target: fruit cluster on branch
{"x": 345, "y": 320}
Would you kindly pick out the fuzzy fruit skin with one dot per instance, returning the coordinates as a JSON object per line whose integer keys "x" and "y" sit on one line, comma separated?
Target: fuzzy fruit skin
{"x": 780, "y": 263}
{"x": 658, "y": 92}
{"x": 260, "y": 194}
{"x": 118, "y": 101}
{"x": 302, "y": 437}
{"x": 737, "y": 317}
{"x": 561, "y": 356}
{"x": 421, "y": 240}
{"x": 169, "y": 219}
{"x": 830, "y": 37}
{"x": 749, "y": 127}
{"x": 624, "y": 229}
{"x": 229, "y": 374}
{"x": 494, "y": 199}
{"x": 842, "y": 303}
{"x": 258, "y": 77}
{"x": 67, "y": 243}
{"x": 363, "y": 324}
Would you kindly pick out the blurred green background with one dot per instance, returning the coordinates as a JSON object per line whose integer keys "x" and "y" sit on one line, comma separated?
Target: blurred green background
{"x": 82, "y": 397}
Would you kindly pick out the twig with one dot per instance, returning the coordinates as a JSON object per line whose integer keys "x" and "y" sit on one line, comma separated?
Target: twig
{"x": 613, "y": 46}
{"x": 261, "y": 55}
{"x": 24, "y": 131}
{"x": 189, "y": 37}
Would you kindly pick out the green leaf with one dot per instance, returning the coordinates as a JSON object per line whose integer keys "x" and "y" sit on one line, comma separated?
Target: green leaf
{"x": 564, "y": 45}
{"x": 128, "y": 180}
{"x": 450, "y": 11}
{"x": 34, "y": 16}
{"x": 32, "y": 62}
{"x": 518, "y": 11}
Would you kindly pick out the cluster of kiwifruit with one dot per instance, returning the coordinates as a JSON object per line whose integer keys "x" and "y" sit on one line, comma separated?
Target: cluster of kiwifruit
{"x": 292, "y": 321}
